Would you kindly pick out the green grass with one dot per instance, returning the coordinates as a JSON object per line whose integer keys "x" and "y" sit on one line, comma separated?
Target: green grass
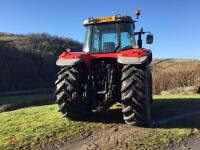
{"x": 177, "y": 96}
{"x": 41, "y": 125}
{"x": 175, "y": 132}
{"x": 8, "y": 37}
{"x": 171, "y": 104}
{"x": 162, "y": 138}
{"x": 38, "y": 125}
{"x": 173, "y": 63}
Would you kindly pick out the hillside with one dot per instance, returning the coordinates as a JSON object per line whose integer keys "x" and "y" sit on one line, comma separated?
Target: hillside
{"x": 30, "y": 59}
{"x": 169, "y": 74}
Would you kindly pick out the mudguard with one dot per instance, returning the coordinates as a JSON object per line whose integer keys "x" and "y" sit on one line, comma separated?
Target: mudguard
{"x": 67, "y": 62}
{"x": 132, "y": 60}
{"x": 72, "y": 58}
{"x": 135, "y": 57}
{"x": 132, "y": 56}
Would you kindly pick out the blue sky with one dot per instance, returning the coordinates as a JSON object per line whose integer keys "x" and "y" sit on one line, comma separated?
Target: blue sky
{"x": 174, "y": 23}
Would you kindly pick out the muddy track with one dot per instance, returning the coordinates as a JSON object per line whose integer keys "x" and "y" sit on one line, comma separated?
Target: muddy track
{"x": 190, "y": 143}
{"x": 115, "y": 137}
{"x": 122, "y": 136}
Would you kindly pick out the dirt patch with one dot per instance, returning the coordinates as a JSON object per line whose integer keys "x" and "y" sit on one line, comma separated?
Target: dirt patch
{"x": 121, "y": 136}
{"x": 116, "y": 137}
{"x": 190, "y": 143}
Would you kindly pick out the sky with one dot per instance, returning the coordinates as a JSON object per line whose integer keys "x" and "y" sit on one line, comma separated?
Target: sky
{"x": 175, "y": 24}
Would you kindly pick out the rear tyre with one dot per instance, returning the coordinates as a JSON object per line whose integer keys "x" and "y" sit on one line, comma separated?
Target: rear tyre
{"x": 135, "y": 90}
{"x": 70, "y": 92}
{"x": 150, "y": 86}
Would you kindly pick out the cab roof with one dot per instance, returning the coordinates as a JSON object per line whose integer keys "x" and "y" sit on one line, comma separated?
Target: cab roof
{"x": 108, "y": 19}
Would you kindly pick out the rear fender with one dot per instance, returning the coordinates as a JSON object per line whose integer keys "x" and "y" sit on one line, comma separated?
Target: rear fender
{"x": 135, "y": 57}
{"x": 73, "y": 58}
{"x": 67, "y": 62}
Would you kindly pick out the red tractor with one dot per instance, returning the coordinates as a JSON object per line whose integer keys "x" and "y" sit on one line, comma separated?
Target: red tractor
{"x": 111, "y": 68}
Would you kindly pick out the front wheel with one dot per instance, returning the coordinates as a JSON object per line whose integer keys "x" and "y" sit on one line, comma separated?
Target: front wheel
{"x": 136, "y": 95}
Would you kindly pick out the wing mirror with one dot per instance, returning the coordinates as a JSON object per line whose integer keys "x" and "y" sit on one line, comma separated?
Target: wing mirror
{"x": 149, "y": 39}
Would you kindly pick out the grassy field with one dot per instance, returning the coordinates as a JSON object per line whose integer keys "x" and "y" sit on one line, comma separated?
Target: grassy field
{"x": 8, "y": 103}
{"x": 25, "y": 98}
{"x": 42, "y": 125}
{"x": 173, "y": 74}
{"x": 193, "y": 96}
{"x": 38, "y": 125}
{"x": 168, "y": 63}
{"x": 8, "y": 37}
{"x": 171, "y": 104}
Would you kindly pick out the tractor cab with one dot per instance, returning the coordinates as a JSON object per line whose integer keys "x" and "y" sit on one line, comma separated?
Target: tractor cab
{"x": 112, "y": 34}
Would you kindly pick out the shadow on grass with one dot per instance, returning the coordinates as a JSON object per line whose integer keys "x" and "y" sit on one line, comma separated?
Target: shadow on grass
{"x": 188, "y": 108}
{"x": 161, "y": 109}
{"x": 110, "y": 116}
{"x": 9, "y": 103}
{"x": 11, "y": 107}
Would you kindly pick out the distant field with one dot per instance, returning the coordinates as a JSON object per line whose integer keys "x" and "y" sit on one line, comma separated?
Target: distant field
{"x": 25, "y": 98}
{"x": 41, "y": 125}
{"x": 8, "y": 37}
{"x": 166, "y": 63}
{"x": 175, "y": 104}
{"x": 192, "y": 96}
{"x": 8, "y": 103}
{"x": 172, "y": 74}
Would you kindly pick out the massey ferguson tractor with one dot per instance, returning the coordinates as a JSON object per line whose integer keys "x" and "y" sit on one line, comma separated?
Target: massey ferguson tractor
{"x": 113, "y": 67}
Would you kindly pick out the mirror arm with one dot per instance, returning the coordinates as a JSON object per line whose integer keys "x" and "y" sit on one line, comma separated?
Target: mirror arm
{"x": 139, "y": 41}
